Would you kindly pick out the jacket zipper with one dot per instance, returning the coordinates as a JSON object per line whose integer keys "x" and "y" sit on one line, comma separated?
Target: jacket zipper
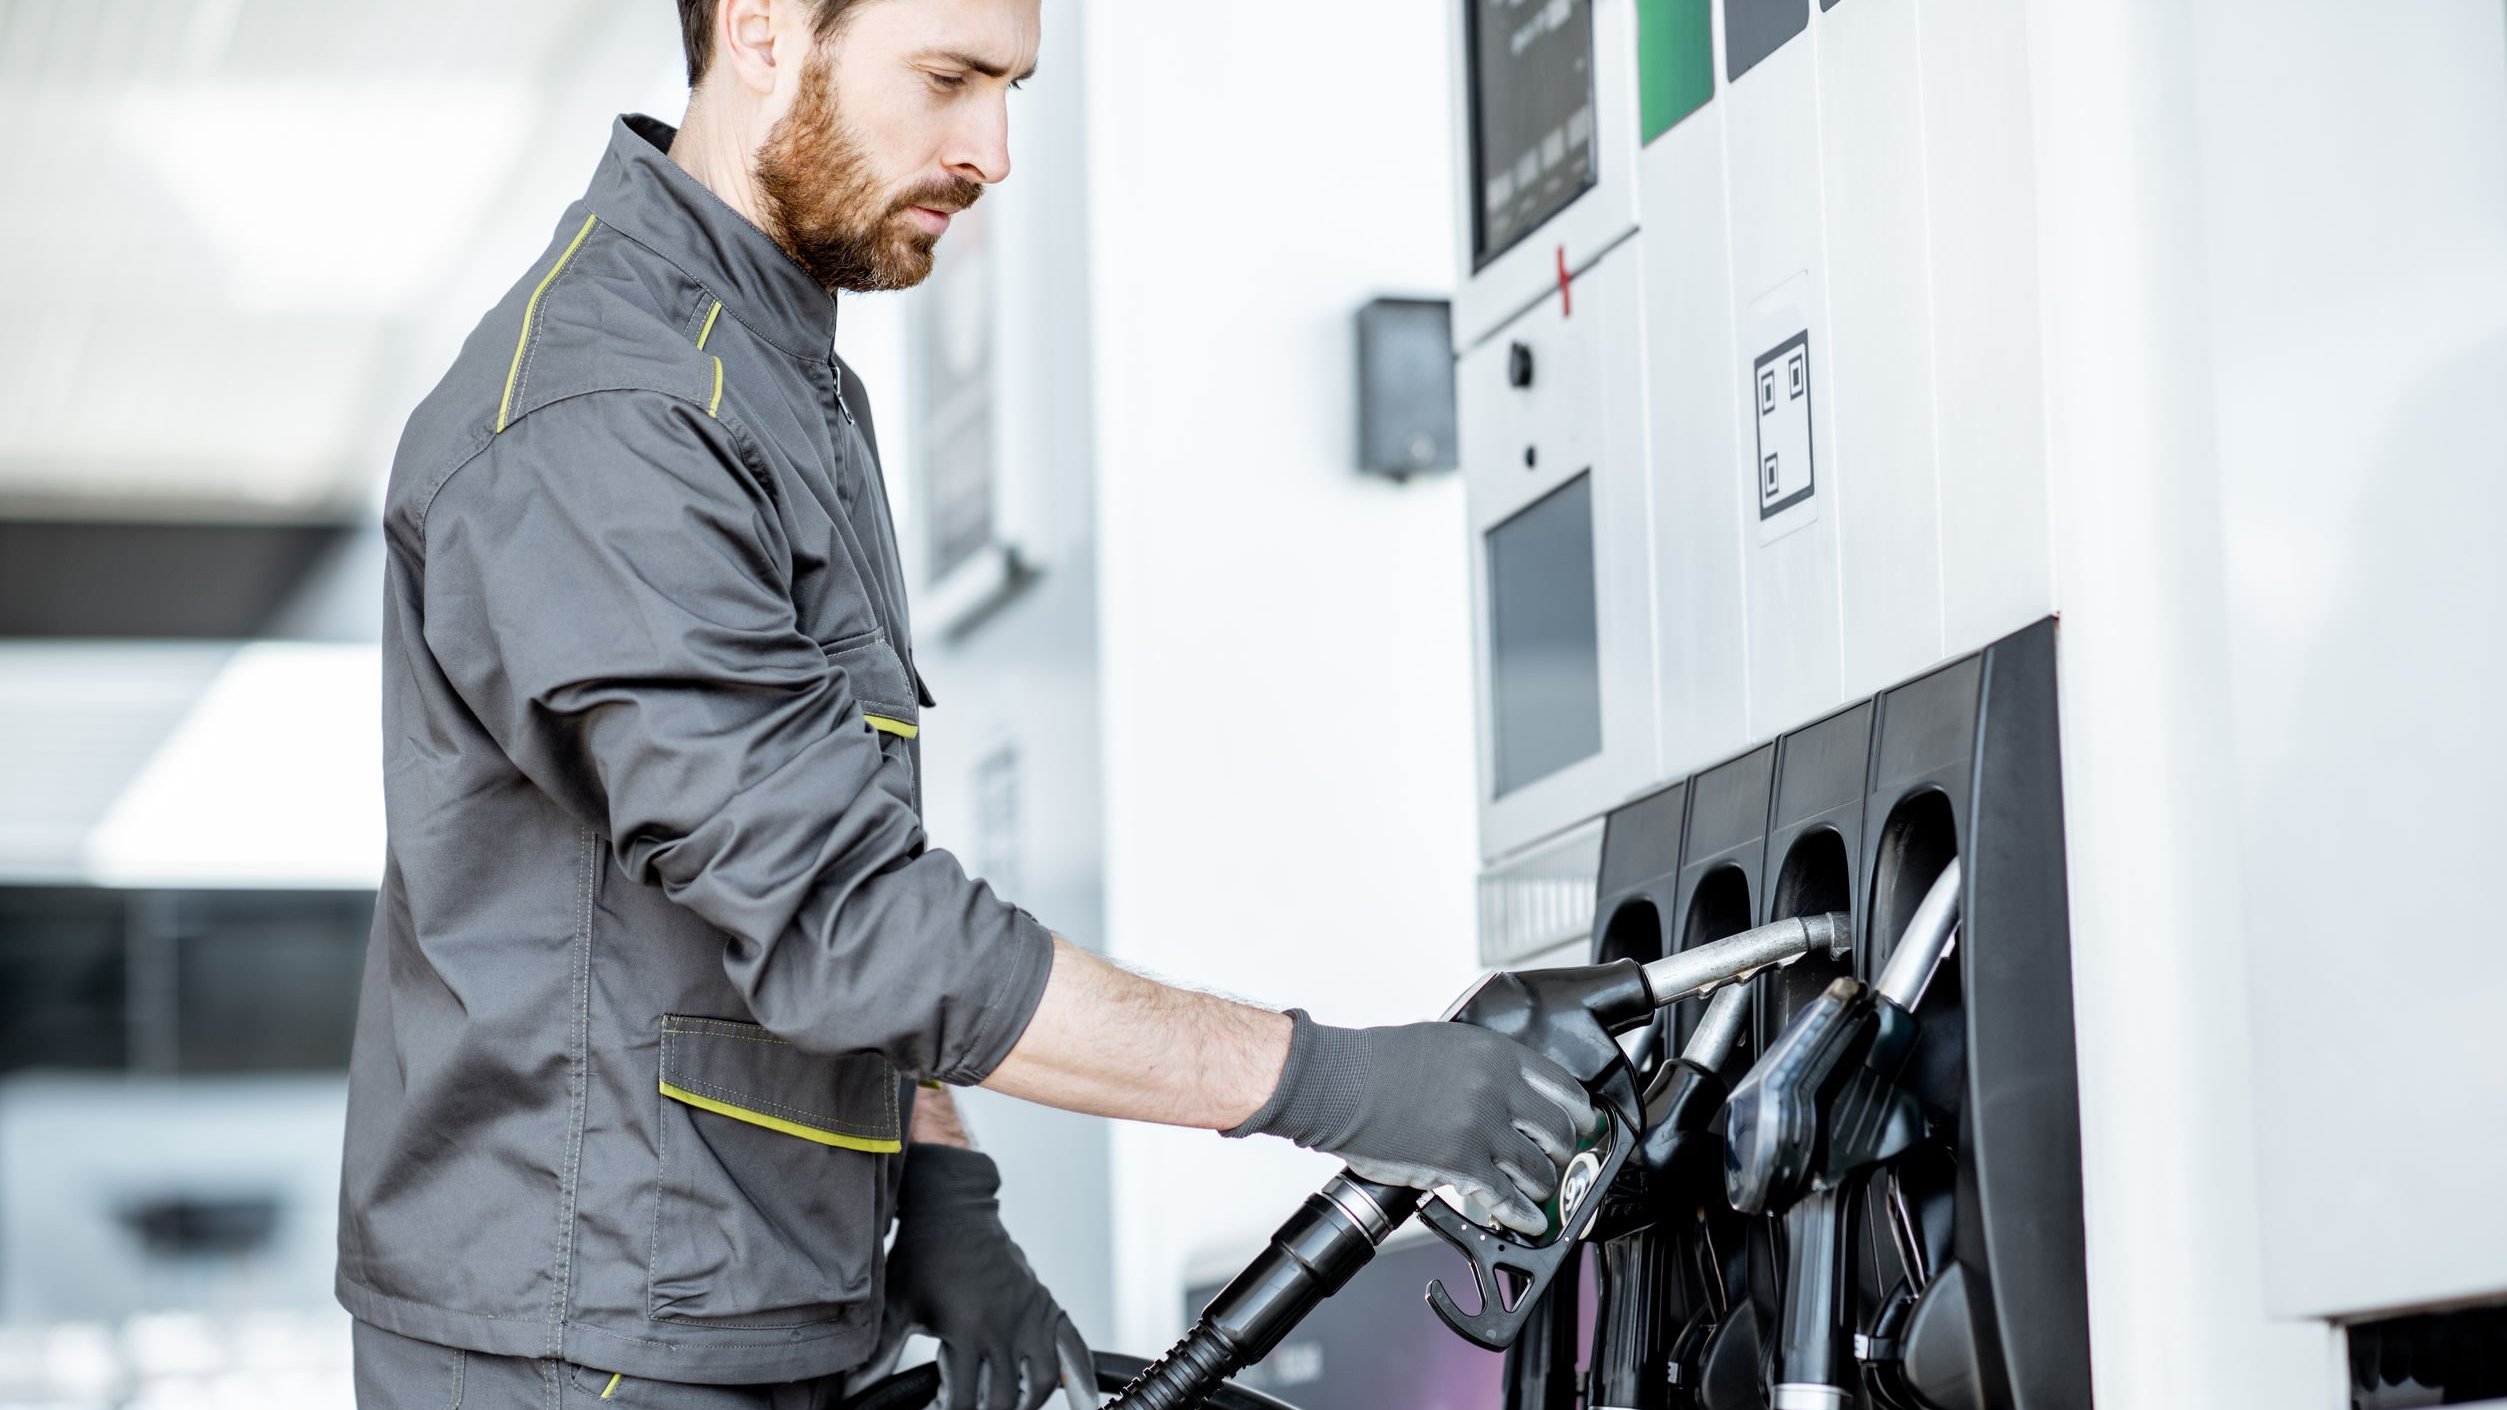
{"x": 842, "y": 408}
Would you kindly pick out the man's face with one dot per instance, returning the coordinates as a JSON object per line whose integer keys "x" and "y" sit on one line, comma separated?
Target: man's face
{"x": 899, "y": 121}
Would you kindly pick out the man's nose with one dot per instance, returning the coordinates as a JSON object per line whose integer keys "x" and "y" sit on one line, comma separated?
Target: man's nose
{"x": 981, "y": 149}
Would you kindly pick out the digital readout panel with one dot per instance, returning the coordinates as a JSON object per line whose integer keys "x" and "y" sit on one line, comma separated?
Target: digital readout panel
{"x": 1531, "y": 115}
{"x": 1545, "y": 655}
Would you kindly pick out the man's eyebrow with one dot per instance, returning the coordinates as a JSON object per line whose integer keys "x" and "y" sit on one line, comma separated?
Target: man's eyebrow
{"x": 987, "y": 67}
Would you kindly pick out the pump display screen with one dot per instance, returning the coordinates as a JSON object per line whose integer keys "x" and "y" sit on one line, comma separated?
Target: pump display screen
{"x": 1531, "y": 116}
{"x": 1545, "y": 660}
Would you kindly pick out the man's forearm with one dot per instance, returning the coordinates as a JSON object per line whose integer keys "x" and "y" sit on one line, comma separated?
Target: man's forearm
{"x": 1109, "y": 1042}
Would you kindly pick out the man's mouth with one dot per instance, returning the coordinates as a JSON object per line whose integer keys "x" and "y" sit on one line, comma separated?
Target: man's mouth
{"x": 929, "y": 220}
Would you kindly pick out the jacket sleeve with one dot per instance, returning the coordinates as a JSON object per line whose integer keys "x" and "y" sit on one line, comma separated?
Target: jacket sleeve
{"x": 607, "y": 586}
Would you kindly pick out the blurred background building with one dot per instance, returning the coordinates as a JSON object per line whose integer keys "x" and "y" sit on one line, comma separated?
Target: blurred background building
{"x": 246, "y": 235}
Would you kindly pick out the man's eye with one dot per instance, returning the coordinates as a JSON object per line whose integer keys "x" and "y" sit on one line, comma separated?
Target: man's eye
{"x": 948, "y": 82}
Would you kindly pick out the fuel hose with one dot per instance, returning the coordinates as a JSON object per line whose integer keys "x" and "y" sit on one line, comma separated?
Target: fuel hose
{"x": 1312, "y": 1256}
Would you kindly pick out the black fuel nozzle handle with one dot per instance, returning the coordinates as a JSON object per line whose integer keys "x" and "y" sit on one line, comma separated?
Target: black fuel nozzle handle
{"x": 1774, "y": 1139}
{"x": 1570, "y": 1016}
{"x": 1607, "y": 1190}
{"x": 1511, "y": 1272}
{"x": 1822, "y": 1104}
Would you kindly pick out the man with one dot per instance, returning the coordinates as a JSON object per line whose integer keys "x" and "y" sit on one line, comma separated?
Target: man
{"x": 662, "y": 955}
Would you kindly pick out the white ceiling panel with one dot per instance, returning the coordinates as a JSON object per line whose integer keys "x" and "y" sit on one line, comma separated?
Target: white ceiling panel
{"x": 243, "y": 234}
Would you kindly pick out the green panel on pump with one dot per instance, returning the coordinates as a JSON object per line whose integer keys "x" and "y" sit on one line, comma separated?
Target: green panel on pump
{"x": 1675, "y": 61}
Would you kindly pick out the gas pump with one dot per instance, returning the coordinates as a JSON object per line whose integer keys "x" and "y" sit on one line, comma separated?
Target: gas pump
{"x": 1717, "y": 690}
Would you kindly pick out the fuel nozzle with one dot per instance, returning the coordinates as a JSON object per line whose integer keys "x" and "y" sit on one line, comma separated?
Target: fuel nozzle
{"x": 1821, "y": 1107}
{"x": 1823, "y": 1101}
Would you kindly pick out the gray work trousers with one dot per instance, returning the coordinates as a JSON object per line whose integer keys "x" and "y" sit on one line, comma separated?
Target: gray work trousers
{"x": 401, "y": 1373}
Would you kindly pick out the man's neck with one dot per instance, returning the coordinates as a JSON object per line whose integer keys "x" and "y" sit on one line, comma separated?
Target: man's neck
{"x": 715, "y": 148}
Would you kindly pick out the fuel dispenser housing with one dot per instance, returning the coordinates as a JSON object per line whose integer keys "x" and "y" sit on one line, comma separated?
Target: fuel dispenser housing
{"x": 1967, "y": 756}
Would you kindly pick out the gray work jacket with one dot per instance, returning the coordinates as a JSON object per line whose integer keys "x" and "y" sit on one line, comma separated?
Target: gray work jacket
{"x": 660, "y": 945}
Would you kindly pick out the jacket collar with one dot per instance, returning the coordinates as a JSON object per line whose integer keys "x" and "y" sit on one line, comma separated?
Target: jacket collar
{"x": 653, "y": 200}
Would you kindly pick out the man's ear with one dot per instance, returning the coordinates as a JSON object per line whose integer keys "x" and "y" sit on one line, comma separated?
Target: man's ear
{"x": 744, "y": 41}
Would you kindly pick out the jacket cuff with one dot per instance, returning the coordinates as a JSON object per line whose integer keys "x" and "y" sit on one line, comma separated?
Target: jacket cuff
{"x": 1316, "y": 1098}
{"x": 1024, "y": 965}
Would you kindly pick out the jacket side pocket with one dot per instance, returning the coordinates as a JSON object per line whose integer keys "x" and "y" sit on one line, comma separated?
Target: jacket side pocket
{"x": 770, "y": 1164}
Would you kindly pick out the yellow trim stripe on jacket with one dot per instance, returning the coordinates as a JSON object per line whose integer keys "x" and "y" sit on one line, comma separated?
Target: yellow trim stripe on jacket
{"x": 522, "y": 344}
{"x": 777, "y": 1123}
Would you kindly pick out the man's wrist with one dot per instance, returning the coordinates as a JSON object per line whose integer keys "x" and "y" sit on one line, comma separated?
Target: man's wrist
{"x": 1319, "y": 1087}
{"x": 1251, "y": 1083}
{"x": 936, "y": 1121}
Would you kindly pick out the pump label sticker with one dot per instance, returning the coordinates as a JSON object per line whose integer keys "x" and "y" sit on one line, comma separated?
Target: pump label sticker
{"x": 1779, "y": 379}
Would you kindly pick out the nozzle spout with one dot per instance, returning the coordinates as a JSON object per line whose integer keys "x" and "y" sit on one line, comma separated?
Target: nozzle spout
{"x": 1711, "y": 1044}
{"x": 1709, "y": 967}
{"x": 1927, "y": 939}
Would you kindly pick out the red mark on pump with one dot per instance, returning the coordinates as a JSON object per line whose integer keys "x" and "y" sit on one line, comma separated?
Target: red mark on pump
{"x": 1566, "y": 300}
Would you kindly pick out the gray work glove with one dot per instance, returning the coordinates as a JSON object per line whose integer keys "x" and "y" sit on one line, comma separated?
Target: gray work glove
{"x": 1429, "y": 1104}
{"x": 955, "y": 1274}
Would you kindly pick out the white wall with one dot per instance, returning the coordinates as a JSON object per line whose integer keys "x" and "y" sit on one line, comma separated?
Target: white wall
{"x": 1287, "y": 686}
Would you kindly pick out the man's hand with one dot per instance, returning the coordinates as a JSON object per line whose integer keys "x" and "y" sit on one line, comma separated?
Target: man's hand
{"x": 1429, "y": 1104}
{"x": 955, "y": 1274}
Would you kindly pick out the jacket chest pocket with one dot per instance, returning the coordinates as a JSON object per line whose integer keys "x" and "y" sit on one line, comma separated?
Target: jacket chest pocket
{"x": 771, "y": 1163}
{"x": 846, "y": 581}
{"x": 833, "y": 591}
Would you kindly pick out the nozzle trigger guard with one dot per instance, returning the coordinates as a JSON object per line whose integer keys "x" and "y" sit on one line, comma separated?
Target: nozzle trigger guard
{"x": 1512, "y": 1273}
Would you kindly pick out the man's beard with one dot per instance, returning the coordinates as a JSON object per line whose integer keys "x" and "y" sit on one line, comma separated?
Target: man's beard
{"x": 823, "y": 203}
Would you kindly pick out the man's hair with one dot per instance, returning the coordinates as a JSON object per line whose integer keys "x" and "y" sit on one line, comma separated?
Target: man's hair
{"x": 696, "y": 29}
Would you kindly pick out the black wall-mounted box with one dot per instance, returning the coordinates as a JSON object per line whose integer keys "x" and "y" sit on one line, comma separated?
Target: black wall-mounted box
{"x": 1406, "y": 415}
